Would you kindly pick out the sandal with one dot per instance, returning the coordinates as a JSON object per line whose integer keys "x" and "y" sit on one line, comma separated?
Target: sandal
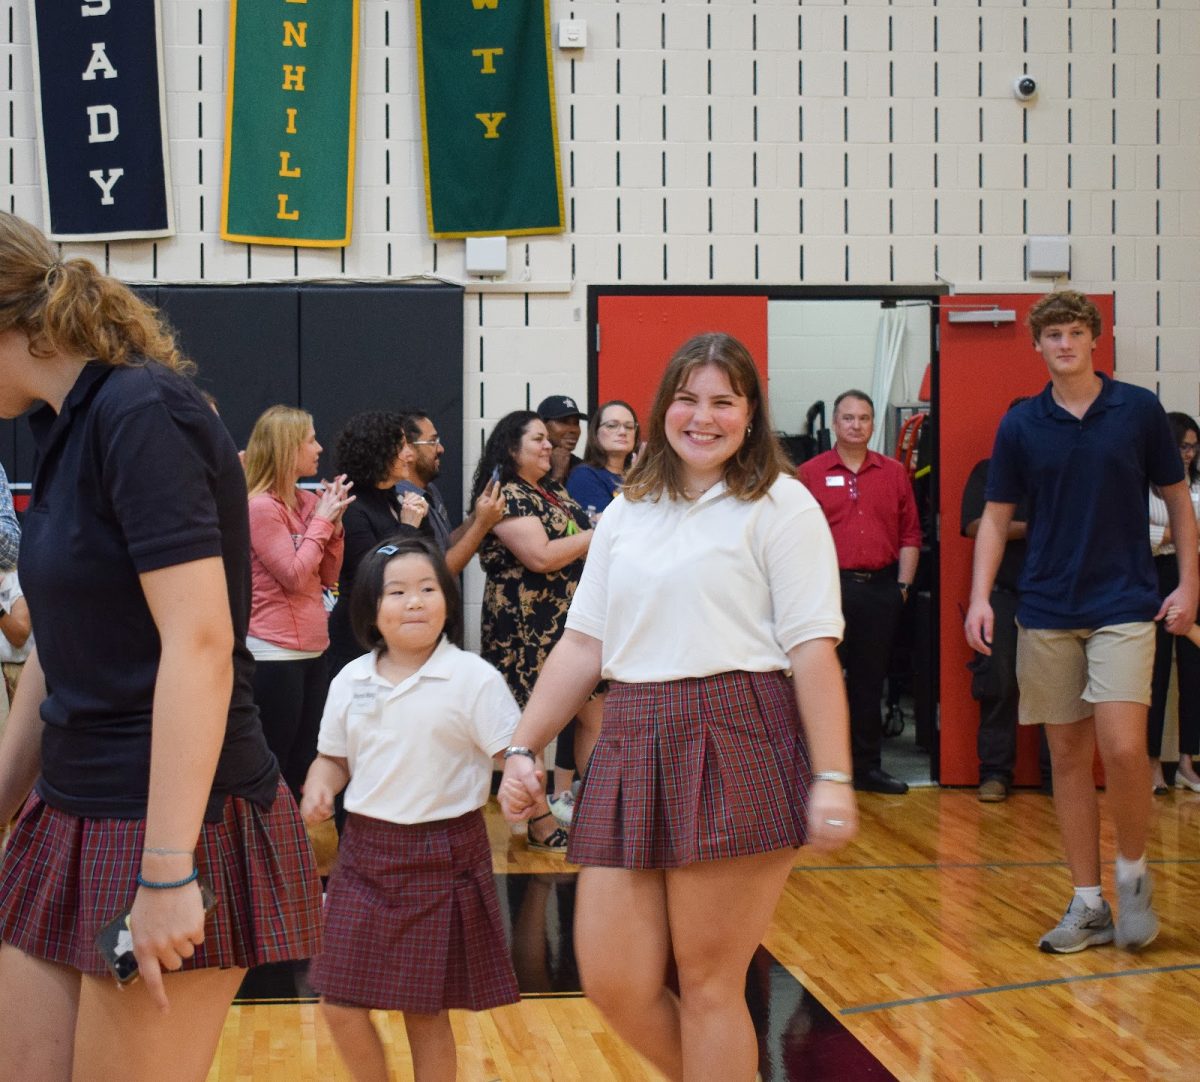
{"x": 554, "y": 842}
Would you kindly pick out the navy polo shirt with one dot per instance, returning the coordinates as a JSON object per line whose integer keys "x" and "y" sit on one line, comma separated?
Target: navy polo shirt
{"x": 1088, "y": 562}
{"x": 136, "y": 473}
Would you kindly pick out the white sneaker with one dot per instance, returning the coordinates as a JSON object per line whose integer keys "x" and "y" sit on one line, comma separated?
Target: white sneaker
{"x": 563, "y": 807}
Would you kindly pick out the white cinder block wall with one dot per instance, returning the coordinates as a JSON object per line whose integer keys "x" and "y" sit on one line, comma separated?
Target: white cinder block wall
{"x": 777, "y": 141}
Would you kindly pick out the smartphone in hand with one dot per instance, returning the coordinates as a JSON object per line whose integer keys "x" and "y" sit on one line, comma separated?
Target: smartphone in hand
{"x": 115, "y": 941}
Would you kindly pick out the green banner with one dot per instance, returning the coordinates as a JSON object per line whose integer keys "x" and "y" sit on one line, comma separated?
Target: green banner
{"x": 487, "y": 102}
{"x": 289, "y": 122}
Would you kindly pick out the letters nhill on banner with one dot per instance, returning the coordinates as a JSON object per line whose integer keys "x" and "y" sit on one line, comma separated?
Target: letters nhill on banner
{"x": 487, "y": 104}
{"x": 101, "y": 119}
{"x": 289, "y": 122}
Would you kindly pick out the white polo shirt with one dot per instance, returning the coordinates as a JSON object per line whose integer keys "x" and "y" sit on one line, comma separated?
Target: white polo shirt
{"x": 675, "y": 588}
{"x": 420, "y": 750}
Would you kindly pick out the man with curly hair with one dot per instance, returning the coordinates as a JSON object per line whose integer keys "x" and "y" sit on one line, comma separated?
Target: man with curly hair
{"x": 1082, "y": 455}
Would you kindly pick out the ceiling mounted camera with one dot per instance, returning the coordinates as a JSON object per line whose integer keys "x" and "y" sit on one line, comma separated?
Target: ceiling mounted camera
{"x": 1025, "y": 88}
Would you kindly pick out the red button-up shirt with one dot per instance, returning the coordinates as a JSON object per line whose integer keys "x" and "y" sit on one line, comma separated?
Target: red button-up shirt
{"x": 872, "y": 514}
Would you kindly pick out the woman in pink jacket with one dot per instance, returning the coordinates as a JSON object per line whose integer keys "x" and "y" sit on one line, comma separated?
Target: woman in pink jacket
{"x": 295, "y": 549}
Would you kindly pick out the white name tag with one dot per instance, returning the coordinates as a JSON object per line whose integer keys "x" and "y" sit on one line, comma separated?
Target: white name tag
{"x": 363, "y": 700}
{"x": 836, "y": 481}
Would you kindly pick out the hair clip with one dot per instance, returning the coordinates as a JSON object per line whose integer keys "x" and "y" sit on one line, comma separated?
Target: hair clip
{"x": 387, "y": 550}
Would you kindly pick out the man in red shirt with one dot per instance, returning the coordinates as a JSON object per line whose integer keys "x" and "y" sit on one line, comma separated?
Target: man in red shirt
{"x": 868, "y": 500}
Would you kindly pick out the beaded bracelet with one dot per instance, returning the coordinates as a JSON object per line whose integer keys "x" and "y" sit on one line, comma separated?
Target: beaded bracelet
{"x": 152, "y": 885}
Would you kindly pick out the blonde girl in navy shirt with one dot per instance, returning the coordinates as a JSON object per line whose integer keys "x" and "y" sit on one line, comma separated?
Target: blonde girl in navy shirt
{"x": 410, "y": 729}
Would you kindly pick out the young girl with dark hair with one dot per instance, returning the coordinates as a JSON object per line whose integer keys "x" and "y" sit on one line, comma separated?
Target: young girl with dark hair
{"x": 412, "y": 918}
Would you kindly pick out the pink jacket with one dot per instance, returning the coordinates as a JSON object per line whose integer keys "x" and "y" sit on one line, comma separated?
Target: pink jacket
{"x": 292, "y": 555}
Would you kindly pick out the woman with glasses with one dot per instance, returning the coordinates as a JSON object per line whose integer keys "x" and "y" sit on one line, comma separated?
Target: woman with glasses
{"x": 612, "y": 443}
{"x": 1186, "y": 655}
{"x": 611, "y": 448}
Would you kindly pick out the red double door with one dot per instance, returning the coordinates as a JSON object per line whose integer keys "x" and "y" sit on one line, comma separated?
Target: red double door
{"x": 978, "y": 370}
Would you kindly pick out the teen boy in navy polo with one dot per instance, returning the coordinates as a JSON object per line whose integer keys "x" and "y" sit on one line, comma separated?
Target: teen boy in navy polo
{"x": 1082, "y": 453}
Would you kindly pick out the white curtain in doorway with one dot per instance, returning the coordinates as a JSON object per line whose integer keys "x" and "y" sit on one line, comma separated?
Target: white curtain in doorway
{"x": 889, "y": 337}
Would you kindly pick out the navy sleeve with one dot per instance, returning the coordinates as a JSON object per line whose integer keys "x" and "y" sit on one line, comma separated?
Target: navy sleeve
{"x": 587, "y": 489}
{"x": 1164, "y": 465}
{"x": 159, "y": 482}
{"x": 1005, "y": 479}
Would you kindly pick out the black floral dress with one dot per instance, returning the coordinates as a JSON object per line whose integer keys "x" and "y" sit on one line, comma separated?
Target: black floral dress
{"x": 524, "y": 612}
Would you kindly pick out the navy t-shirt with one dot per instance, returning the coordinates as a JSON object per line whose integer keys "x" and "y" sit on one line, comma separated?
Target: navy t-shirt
{"x": 1088, "y": 563}
{"x": 135, "y": 474}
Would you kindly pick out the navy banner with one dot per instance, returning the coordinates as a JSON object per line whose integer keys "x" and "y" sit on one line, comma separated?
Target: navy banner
{"x": 98, "y": 80}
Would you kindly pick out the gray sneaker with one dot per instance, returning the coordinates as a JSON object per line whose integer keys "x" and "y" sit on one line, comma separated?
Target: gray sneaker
{"x": 1080, "y": 927}
{"x": 1136, "y": 923}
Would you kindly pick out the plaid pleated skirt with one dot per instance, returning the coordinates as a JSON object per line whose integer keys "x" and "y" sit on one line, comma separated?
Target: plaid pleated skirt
{"x": 412, "y": 922}
{"x": 696, "y": 769}
{"x": 63, "y": 877}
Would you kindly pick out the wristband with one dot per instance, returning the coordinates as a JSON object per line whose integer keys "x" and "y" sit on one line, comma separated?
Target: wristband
{"x": 517, "y": 749}
{"x": 838, "y": 777}
{"x": 152, "y": 885}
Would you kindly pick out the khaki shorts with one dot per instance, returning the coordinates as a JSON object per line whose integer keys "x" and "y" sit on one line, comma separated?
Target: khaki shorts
{"x": 1062, "y": 673}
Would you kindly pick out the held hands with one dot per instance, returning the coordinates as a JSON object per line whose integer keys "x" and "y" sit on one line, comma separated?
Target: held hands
{"x": 167, "y": 926}
{"x": 413, "y": 509}
{"x": 832, "y": 815}
{"x": 334, "y": 499}
{"x": 489, "y": 506}
{"x": 316, "y": 803}
{"x": 978, "y": 627}
{"x": 522, "y": 788}
{"x": 1178, "y": 611}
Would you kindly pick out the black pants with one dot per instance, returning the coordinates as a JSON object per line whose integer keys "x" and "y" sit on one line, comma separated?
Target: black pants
{"x": 1187, "y": 658}
{"x": 872, "y": 611}
{"x": 994, "y": 687}
{"x": 290, "y": 696}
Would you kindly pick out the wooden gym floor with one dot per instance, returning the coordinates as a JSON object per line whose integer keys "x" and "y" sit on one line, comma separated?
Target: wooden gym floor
{"x": 910, "y": 956}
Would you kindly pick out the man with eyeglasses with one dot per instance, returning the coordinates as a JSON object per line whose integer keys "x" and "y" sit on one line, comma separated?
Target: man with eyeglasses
{"x": 868, "y": 500}
{"x": 561, "y": 416}
{"x": 458, "y": 543}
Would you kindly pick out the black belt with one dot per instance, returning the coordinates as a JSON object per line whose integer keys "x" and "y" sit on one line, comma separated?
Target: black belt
{"x": 863, "y": 575}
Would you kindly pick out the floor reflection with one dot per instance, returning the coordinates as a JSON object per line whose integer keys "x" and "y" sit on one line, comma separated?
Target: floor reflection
{"x": 798, "y": 1037}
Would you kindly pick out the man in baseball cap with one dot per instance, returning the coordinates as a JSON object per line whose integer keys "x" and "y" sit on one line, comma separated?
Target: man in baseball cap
{"x": 562, "y": 417}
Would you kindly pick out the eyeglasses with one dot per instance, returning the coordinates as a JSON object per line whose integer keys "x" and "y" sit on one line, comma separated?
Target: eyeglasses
{"x": 612, "y": 426}
{"x": 424, "y": 443}
{"x": 1188, "y": 448}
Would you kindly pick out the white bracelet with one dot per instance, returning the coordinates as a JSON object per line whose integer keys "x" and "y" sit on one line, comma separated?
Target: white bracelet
{"x": 838, "y": 777}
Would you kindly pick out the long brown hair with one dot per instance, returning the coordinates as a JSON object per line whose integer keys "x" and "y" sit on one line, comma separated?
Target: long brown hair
{"x": 70, "y": 307}
{"x": 758, "y": 462}
{"x": 271, "y": 452}
{"x": 593, "y": 453}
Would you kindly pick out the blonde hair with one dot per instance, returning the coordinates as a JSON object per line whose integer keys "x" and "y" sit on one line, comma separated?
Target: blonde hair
{"x": 758, "y": 462}
{"x": 271, "y": 452}
{"x": 70, "y": 307}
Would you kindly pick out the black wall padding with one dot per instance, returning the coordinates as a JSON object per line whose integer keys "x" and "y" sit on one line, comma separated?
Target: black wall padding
{"x": 333, "y": 349}
{"x": 385, "y": 347}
